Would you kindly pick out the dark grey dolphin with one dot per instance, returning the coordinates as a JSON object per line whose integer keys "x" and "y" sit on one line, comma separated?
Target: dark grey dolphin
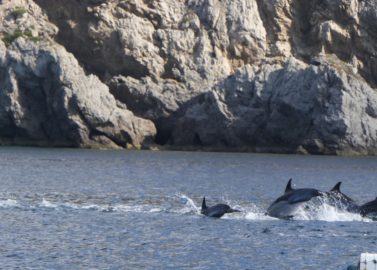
{"x": 216, "y": 211}
{"x": 369, "y": 209}
{"x": 285, "y": 206}
{"x": 340, "y": 200}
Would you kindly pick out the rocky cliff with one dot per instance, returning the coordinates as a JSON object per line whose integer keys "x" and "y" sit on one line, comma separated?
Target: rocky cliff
{"x": 46, "y": 98}
{"x": 255, "y": 75}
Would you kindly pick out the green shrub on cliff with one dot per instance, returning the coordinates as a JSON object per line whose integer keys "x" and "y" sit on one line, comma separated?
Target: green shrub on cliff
{"x": 28, "y": 34}
{"x": 17, "y": 12}
{"x": 8, "y": 38}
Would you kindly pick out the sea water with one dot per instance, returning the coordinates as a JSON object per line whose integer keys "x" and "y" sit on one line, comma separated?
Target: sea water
{"x": 90, "y": 209}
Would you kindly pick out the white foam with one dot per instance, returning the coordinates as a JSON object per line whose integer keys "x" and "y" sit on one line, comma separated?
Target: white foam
{"x": 128, "y": 208}
{"x": 326, "y": 212}
{"x": 258, "y": 216}
{"x": 248, "y": 216}
{"x": 248, "y": 212}
{"x": 8, "y": 203}
{"x": 189, "y": 206}
{"x": 155, "y": 210}
{"x": 47, "y": 204}
{"x": 71, "y": 205}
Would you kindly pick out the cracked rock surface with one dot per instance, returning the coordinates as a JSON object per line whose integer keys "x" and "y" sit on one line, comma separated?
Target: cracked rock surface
{"x": 47, "y": 99}
{"x": 255, "y": 75}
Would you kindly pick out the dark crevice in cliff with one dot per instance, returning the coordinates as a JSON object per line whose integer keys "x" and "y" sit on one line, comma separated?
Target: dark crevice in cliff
{"x": 304, "y": 47}
{"x": 32, "y": 98}
{"x": 267, "y": 21}
{"x": 164, "y": 131}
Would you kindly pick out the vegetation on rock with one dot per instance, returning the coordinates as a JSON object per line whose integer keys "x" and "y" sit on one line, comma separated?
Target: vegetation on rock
{"x": 8, "y": 38}
{"x": 18, "y": 12}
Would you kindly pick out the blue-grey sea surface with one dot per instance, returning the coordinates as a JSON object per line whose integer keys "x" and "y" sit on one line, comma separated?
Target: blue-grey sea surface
{"x": 92, "y": 209}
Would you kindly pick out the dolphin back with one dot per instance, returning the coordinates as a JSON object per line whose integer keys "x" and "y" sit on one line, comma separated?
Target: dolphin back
{"x": 218, "y": 210}
{"x": 299, "y": 195}
{"x": 303, "y": 195}
{"x": 369, "y": 208}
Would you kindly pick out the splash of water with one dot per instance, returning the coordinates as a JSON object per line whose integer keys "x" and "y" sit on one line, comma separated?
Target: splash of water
{"x": 190, "y": 205}
{"x": 326, "y": 212}
{"x": 182, "y": 204}
{"x": 47, "y": 204}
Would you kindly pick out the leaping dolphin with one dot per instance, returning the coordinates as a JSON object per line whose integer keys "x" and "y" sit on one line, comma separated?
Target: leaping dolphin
{"x": 216, "y": 211}
{"x": 285, "y": 206}
{"x": 340, "y": 200}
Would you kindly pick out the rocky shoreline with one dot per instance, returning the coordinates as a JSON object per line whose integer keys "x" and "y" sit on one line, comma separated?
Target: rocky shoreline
{"x": 245, "y": 75}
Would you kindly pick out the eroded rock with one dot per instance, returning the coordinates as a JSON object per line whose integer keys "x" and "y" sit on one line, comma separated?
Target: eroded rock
{"x": 273, "y": 75}
{"x": 293, "y": 108}
{"x": 46, "y": 99}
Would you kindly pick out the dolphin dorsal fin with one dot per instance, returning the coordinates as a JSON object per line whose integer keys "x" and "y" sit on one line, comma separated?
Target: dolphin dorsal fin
{"x": 204, "y": 206}
{"x": 288, "y": 188}
{"x": 336, "y": 187}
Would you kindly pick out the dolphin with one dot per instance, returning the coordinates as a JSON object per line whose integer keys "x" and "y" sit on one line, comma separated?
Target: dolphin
{"x": 285, "y": 206}
{"x": 216, "y": 211}
{"x": 369, "y": 209}
{"x": 340, "y": 200}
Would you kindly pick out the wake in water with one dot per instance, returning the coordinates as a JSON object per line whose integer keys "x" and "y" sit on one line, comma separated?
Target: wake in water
{"x": 180, "y": 204}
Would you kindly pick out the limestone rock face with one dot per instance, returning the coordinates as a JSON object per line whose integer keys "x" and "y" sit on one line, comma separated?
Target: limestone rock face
{"x": 26, "y": 19}
{"x": 293, "y": 108}
{"x": 47, "y": 99}
{"x": 264, "y": 75}
{"x": 187, "y": 41}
